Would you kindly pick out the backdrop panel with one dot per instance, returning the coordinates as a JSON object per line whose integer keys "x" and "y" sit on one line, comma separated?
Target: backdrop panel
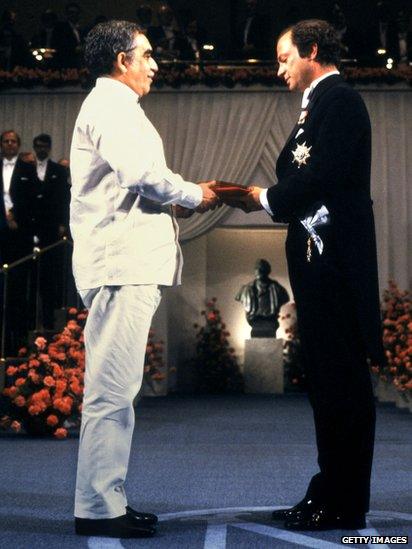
{"x": 237, "y": 135}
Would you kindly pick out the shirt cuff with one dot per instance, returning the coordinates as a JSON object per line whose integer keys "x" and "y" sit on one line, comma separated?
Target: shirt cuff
{"x": 264, "y": 201}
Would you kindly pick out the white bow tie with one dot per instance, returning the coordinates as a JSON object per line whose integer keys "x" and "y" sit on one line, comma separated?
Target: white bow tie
{"x": 9, "y": 163}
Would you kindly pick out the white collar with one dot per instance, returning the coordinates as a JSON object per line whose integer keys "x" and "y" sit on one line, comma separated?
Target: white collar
{"x": 117, "y": 86}
{"x": 10, "y": 162}
{"x": 42, "y": 162}
{"x": 314, "y": 84}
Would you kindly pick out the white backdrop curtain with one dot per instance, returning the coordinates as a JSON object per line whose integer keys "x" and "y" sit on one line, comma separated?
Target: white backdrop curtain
{"x": 236, "y": 135}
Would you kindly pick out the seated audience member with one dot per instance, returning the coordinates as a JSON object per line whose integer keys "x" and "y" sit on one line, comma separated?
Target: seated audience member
{"x": 51, "y": 222}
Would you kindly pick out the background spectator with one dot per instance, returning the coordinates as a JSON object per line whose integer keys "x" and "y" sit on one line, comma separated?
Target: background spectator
{"x": 165, "y": 36}
{"x": 70, "y": 37}
{"x": 13, "y": 48}
{"x": 253, "y": 36}
{"x": 18, "y": 183}
{"x": 51, "y": 222}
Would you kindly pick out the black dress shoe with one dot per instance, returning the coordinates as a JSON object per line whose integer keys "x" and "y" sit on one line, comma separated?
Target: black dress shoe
{"x": 125, "y": 526}
{"x": 145, "y": 518}
{"x": 323, "y": 518}
{"x": 301, "y": 509}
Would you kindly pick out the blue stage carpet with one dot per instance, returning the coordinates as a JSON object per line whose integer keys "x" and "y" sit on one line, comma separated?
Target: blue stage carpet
{"x": 211, "y": 468}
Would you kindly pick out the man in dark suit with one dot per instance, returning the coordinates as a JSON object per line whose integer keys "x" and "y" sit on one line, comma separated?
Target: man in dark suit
{"x": 18, "y": 184}
{"x": 323, "y": 192}
{"x": 252, "y": 32}
{"x": 51, "y": 223}
{"x": 69, "y": 38}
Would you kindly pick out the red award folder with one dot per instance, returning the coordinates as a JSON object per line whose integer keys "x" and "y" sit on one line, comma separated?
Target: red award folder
{"x": 229, "y": 192}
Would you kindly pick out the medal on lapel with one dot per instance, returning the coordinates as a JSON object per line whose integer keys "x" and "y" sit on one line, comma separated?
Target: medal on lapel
{"x": 301, "y": 154}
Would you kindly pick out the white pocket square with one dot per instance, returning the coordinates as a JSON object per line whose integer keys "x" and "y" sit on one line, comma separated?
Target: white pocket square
{"x": 300, "y": 131}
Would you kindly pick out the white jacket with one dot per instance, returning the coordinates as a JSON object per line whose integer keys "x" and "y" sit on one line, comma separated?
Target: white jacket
{"x": 120, "y": 215}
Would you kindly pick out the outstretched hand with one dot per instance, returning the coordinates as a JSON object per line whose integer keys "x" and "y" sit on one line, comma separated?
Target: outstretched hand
{"x": 249, "y": 202}
{"x": 210, "y": 199}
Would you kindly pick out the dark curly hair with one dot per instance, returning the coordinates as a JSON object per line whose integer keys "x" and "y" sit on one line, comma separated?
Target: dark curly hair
{"x": 105, "y": 41}
{"x": 307, "y": 33}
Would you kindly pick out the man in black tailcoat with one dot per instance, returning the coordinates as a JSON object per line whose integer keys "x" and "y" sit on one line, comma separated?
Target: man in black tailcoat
{"x": 323, "y": 192}
{"x": 51, "y": 224}
{"x": 18, "y": 185}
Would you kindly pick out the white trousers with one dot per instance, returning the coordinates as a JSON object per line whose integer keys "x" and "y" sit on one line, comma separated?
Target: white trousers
{"x": 116, "y": 335}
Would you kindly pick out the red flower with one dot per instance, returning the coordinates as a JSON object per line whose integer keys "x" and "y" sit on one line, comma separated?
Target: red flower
{"x": 12, "y": 392}
{"x": 60, "y": 433}
{"x": 35, "y": 410}
{"x": 49, "y": 381}
{"x": 52, "y": 420}
{"x": 11, "y": 370}
{"x": 40, "y": 343}
{"x": 20, "y": 381}
{"x": 61, "y": 385}
{"x": 45, "y": 358}
{"x": 57, "y": 370}
{"x": 16, "y": 426}
{"x": 72, "y": 311}
{"x": 34, "y": 377}
{"x": 20, "y": 401}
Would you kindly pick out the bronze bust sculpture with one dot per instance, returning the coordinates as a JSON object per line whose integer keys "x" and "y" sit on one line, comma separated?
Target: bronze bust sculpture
{"x": 262, "y": 299}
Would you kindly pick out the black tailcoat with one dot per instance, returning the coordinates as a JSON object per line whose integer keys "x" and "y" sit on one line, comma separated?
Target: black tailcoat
{"x": 52, "y": 204}
{"x": 23, "y": 186}
{"x": 326, "y": 162}
{"x": 15, "y": 244}
{"x": 336, "y": 174}
{"x": 51, "y": 213}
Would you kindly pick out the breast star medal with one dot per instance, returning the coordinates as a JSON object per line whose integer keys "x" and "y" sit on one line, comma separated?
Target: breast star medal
{"x": 301, "y": 154}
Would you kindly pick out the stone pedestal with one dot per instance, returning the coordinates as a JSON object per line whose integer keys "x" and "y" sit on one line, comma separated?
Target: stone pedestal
{"x": 263, "y": 367}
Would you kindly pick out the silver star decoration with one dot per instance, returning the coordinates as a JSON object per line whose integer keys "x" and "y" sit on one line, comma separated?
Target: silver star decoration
{"x": 301, "y": 154}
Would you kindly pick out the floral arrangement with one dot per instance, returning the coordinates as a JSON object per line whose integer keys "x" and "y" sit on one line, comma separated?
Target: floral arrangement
{"x": 176, "y": 75}
{"x": 154, "y": 368}
{"x": 397, "y": 338}
{"x": 215, "y": 361}
{"x": 294, "y": 372}
{"x": 45, "y": 391}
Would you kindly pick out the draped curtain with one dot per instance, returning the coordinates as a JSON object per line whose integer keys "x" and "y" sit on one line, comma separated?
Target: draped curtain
{"x": 234, "y": 135}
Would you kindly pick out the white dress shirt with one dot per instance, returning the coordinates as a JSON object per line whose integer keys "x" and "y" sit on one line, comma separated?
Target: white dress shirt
{"x": 41, "y": 167}
{"x": 8, "y": 168}
{"x": 305, "y": 101}
{"x": 120, "y": 214}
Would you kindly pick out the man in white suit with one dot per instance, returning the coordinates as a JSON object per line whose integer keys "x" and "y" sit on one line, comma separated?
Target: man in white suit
{"x": 125, "y": 249}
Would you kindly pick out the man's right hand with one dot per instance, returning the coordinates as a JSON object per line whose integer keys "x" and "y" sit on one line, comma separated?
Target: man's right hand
{"x": 210, "y": 199}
